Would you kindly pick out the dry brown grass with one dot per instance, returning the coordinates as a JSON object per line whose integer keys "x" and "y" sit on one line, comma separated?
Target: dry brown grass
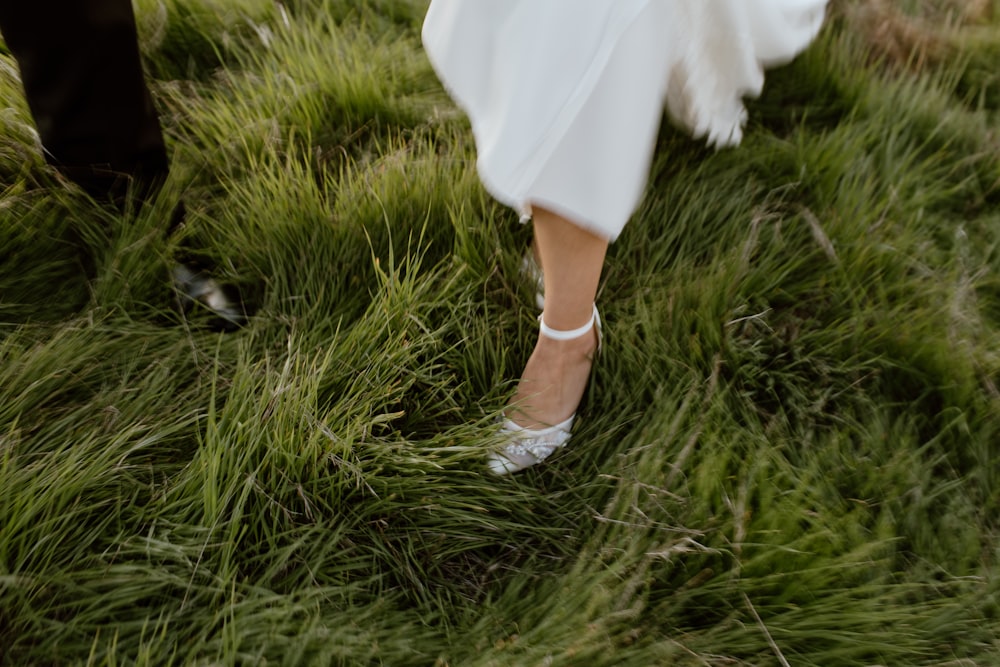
{"x": 917, "y": 39}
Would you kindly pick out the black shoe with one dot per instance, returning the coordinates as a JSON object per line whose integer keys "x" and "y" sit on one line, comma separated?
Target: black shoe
{"x": 196, "y": 289}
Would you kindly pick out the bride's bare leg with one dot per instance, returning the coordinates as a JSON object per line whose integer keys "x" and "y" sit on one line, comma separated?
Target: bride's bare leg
{"x": 556, "y": 374}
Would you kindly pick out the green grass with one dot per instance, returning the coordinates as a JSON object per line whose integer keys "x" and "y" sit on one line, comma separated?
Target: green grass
{"x": 788, "y": 453}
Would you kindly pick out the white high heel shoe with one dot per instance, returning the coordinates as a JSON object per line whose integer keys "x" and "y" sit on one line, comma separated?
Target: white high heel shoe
{"x": 528, "y": 446}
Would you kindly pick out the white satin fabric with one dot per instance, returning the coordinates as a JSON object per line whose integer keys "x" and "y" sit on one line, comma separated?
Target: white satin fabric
{"x": 565, "y": 96}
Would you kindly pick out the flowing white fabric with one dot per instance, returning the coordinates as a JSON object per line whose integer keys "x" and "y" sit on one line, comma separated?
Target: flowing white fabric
{"x": 565, "y": 96}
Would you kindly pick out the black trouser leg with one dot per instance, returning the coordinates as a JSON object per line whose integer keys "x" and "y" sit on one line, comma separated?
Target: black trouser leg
{"x": 83, "y": 79}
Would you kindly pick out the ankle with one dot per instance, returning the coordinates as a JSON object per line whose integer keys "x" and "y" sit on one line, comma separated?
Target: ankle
{"x": 566, "y": 352}
{"x": 553, "y": 382}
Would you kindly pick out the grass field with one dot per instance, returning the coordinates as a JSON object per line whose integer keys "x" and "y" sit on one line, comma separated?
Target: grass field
{"x": 789, "y": 453}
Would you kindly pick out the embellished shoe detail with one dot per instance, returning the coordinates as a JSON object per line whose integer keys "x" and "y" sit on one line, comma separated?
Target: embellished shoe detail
{"x": 526, "y": 446}
{"x": 529, "y": 446}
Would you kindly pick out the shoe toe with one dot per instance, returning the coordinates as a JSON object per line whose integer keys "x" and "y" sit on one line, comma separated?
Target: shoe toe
{"x": 500, "y": 465}
{"x": 528, "y": 447}
{"x": 509, "y": 461}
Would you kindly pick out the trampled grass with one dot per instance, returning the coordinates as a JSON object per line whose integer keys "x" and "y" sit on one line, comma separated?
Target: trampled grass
{"x": 788, "y": 454}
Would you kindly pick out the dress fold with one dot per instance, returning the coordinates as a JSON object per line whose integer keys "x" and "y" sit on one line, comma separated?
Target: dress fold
{"x": 565, "y": 96}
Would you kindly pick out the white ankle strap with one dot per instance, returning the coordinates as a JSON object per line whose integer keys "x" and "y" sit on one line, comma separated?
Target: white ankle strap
{"x": 556, "y": 334}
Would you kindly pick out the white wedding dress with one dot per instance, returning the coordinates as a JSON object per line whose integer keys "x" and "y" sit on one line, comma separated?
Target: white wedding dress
{"x": 565, "y": 96}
